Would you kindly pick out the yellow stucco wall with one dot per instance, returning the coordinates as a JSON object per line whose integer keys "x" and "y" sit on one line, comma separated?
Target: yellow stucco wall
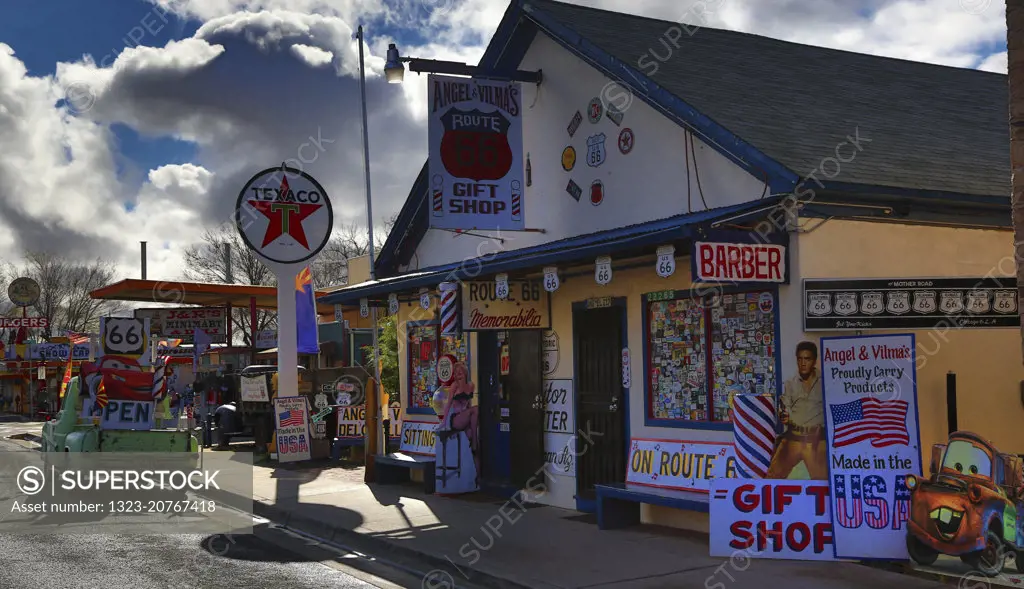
{"x": 987, "y": 362}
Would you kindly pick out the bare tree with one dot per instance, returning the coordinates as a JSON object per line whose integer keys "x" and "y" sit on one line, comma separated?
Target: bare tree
{"x": 350, "y": 241}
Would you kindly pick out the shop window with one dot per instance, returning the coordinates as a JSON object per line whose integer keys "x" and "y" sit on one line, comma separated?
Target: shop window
{"x": 425, "y": 345}
{"x": 702, "y": 349}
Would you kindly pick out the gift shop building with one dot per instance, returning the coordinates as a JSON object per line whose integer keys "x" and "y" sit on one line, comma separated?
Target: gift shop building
{"x": 693, "y": 205}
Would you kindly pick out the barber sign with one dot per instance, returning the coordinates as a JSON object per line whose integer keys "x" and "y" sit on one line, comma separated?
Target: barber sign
{"x": 739, "y": 262}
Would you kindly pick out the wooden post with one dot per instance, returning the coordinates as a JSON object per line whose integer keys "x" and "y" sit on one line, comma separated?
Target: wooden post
{"x": 370, "y": 444}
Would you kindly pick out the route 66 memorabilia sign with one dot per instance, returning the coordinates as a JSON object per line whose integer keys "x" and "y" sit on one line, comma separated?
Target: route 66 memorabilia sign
{"x": 951, "y": 302}
{"x": 924, "y": 301}
{"x": 846, "y": 303}
{"x": 1004, "y": 301}
{"x": 871, "y": 303}
{"x": 124, "y": 336}
{"x": 424, "y": 299}
{"x": 603, "y": 270}
{"x": 392, "y": 304}
{"x": 819, "y": 303}
{"x": 364, "y": 308}
{"x": 898, "y": 302}
{"x": 551, "y": 279}
{"x": 666, "y": 261}
{"x": 595, "y": 150}
{"x": 501, "y": 286}
{"x": 977, "y": 302}
{"x": 446, "y": 369}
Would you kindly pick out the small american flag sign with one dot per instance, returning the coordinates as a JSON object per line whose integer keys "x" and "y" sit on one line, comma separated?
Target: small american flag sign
{"x": 882, "y": 422}
{"x": 295, "y": 417}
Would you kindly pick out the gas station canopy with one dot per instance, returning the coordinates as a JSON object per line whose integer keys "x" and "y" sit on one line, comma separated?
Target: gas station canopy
{"x": 206, "y": 294}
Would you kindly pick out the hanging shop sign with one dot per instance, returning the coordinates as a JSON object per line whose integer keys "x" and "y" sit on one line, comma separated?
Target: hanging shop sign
{"x": 869, "y": 385}
{"x": 787, "y": 519}
{"x": 23, "y": 292}
{"x": 392, "y": 304}
{"x": 666, "y": 265}
{"x": 680, "y": 464}
{"x": 26, "y": 322}
{"x": 739, "y": 262}
{"x": 124, "y": 336}
{"x": 603, "y": 270}
{"x": 290, "y": 417}
{"x": 182, "y": 323}
{"x": 527, "y": 306}
{"x": 418, "y": 437}
{"x": 550, "y": 349}
{"x": 551, "y": 283}
{"x": 475, "y": 135}
{"x": 917, "y": 303}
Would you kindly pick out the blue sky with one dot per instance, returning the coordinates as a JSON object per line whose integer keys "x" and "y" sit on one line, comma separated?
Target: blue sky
{"x": 44, "y": 32}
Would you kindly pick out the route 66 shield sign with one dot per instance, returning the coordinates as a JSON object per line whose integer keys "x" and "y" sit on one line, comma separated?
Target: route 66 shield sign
{"x": 924, "y": 301}
{"x": 871, "y": 303}
{"x": 603, "y": 270}
{"x": 819, "y": 304}
{"x": 551, "y": 279}
{"x": 392, "y": 304}
{"x": 1004, "y": 301}
{"x": 595, "y": 150}
{"x": 951, "y": 302}
{"x": 898, "y": 303}
{"x": 475, "y": 144}
{"x": 424, "y": 299}
{"x": 977, "y": 301}
{"x": 666, "y": 261}
{"x": 846, "y": 303}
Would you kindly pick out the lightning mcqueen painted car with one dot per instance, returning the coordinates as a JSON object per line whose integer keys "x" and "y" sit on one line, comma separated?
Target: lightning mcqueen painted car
{"x": 123, "y": 379}
{"x": 969, "y": 507}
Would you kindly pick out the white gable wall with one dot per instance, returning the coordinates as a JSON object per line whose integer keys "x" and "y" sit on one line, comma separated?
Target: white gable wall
{"x": 648, "y": 183}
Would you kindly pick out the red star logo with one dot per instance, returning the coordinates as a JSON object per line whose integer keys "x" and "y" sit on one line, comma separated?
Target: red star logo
{"x": 285, "y": 217}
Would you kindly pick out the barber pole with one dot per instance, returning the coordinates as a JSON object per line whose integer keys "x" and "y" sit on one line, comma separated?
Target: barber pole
{"x": 159, "y": 378}
{"x": 449, "y": 314}
{"x": 754, "y": 433}
{"x": 517, "y": 195}
{"x": 438, "y": 196}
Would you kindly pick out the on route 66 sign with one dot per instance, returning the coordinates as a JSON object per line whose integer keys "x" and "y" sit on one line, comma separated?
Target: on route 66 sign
{"x": 501, "y": 286}
{"x": 124, "y": 336}
{"x": 603, "y": 270}
{"x": 551, "y": 279}
{"x": 666, "y": 261}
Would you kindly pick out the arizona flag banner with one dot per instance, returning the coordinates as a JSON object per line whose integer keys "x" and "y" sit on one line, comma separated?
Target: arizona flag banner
{"x": 307, "y": 334}
{"x": 73, "y": 340}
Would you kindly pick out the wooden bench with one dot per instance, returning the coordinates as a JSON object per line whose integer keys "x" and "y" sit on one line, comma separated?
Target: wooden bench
{"x": 618, "y": 504}
{"x": 394, "y": 468}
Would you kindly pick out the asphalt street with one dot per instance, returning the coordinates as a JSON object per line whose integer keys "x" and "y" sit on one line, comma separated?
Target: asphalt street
{"x": 272, "y": 558}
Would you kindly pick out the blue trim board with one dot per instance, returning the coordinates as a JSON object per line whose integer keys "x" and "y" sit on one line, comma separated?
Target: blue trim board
{"x": 582, "y": 247}
{"x": 645, "y": 301}
{"x": 590, "y": 505}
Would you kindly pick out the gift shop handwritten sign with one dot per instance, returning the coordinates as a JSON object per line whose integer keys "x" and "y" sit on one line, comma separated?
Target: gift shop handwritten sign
{"x": 680, "y": 464}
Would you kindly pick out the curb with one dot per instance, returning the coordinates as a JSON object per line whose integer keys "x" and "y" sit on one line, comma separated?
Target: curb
{"x": 370, "y": 545}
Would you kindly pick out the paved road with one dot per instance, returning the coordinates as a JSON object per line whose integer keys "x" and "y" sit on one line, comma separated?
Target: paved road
{"x": 271, "y": 558}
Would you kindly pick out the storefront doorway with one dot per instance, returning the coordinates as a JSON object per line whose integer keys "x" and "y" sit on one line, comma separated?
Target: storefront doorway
{"x": 511, "y": 408}
{"x": 602, "y": 404}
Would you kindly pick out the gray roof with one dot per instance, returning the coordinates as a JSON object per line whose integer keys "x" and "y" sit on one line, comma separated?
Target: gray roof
{"x": 931, "y": 127}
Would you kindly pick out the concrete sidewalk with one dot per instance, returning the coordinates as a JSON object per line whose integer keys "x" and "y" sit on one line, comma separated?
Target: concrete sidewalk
{"x": 500, "y": 544}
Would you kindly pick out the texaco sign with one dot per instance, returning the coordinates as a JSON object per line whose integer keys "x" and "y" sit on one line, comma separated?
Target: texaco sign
{"x": 284, "y": 215}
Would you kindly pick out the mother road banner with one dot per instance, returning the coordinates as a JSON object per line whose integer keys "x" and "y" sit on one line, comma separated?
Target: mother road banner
{"x": 870, "y": 389}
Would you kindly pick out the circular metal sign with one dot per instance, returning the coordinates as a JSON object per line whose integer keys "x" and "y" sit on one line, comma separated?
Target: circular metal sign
{"x": 284, "y": 215}
{"x": 23, "y": 292}
{"x": 446, "y": 369}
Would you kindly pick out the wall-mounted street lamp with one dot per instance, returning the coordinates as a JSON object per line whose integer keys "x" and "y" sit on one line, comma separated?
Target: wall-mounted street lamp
{"x": 394, "y": 71}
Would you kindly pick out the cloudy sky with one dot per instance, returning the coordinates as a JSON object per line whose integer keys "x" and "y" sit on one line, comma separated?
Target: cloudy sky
{"x": 129, "y": 120}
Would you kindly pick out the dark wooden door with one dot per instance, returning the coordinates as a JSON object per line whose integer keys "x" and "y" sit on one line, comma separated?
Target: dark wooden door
{"x": 601, "y": 411}
{"x": 526, "y": 409}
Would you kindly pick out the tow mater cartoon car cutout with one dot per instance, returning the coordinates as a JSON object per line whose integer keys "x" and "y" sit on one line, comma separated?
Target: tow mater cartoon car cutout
{"x": 123, "y": 378}
{"x": 969, "y": 507}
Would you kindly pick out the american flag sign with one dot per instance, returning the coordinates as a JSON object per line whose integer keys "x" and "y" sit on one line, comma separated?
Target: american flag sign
{"x": 754, "y": 433}
{"x": 867, "y": 418}
{"x": 295, "y": 417}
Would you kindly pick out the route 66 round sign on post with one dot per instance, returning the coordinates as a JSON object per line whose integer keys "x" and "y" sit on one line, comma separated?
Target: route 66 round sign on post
{"x": 124, "y": 336}
{"x": 446, "y": 369}
{"x": 501, "y": 286}
{"x": 285, "y": 217}
{"x": 551, "y": 279}
{"x": 392, "y": 304}
{"x": 603, "y": 270}
{"x": 666, "y": 261}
